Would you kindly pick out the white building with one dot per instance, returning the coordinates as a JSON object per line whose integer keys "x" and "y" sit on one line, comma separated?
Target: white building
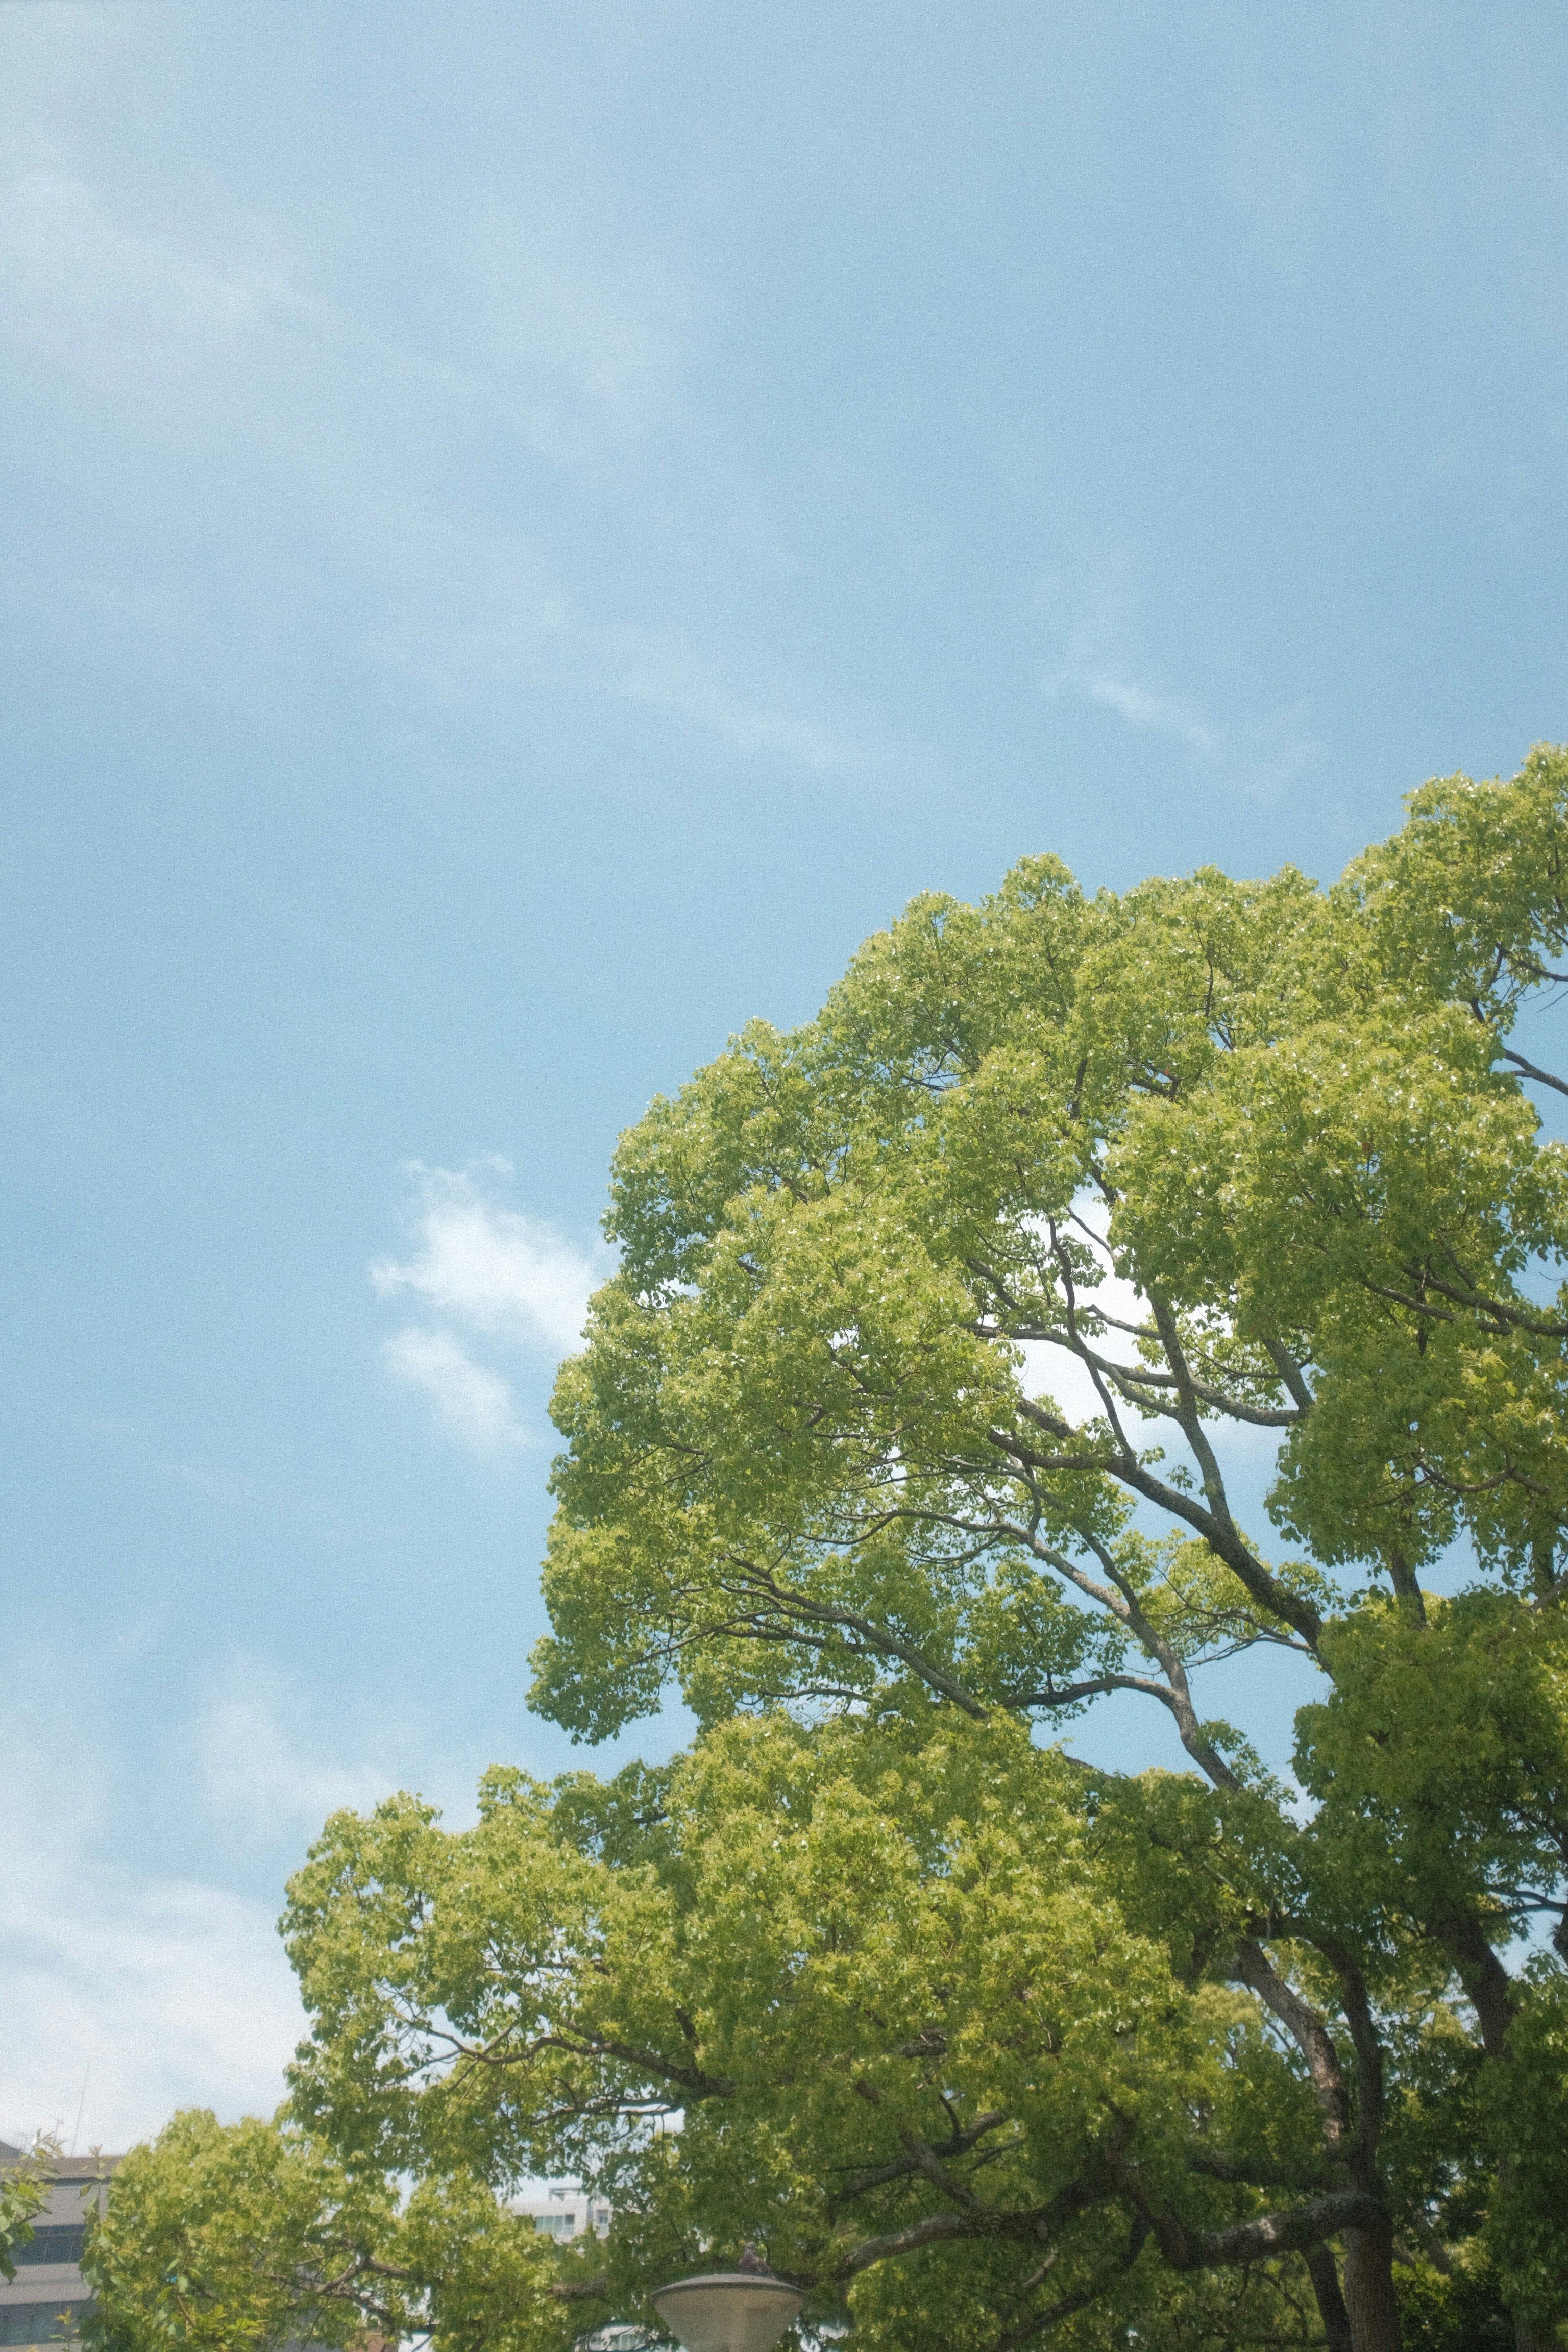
{"x": 566, "y": 2211}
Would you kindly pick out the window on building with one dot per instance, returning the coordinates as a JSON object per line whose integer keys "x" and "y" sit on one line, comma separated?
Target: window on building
{"x": 41, "y": 2323}
{"x": 57, "y": 2241}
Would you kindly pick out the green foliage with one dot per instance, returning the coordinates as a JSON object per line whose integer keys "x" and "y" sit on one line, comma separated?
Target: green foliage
{"x": 833, "y": 1240}
{"x": 24, "y": 2191}
{"x": 1464, "y": 2312}
{"x": 1440, "y": 1758}
{"x": 218, "y": 2238}
{"x": 1525, "y": 2107}
{"x": 813, "y": 1458}
{"x": 842, "y": 1981}
{"x": 248, "y": 2235}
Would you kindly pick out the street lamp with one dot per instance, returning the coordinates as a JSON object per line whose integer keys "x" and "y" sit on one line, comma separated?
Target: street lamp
{"x": 742, "y": 2310}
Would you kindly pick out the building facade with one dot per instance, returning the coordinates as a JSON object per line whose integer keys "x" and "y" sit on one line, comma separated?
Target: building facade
{"x": 564, "y": 2214}
{"x": 45, "y": 2303}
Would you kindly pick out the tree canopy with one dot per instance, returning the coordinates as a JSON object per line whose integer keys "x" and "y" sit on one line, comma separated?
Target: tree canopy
{"x": 905, "y": 1432}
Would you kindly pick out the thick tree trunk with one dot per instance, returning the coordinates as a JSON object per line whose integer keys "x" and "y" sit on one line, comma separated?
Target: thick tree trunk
{"x": 1369, "y": 2290}
{"x": 1325, "y": 2274}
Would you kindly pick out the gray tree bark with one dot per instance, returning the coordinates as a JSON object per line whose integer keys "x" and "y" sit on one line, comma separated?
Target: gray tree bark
{"x": 1325, "y": 2274}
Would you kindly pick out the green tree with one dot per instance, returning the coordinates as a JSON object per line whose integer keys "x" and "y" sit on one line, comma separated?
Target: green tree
{"x": 993, "y": 2047}
{"x": 245, "y": 2237}
{"x": 807, "y": 1466}
{"x": 882, "y": 1977}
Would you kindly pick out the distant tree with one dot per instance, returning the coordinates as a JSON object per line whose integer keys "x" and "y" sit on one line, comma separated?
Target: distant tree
{"x": 993, "y": 2047}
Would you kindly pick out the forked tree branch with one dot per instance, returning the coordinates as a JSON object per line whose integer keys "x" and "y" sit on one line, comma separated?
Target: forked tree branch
{"x": 1528, "y": 1070}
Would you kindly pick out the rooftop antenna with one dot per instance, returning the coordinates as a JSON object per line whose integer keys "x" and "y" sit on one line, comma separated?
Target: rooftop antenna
{"x": 80, "y": 2104}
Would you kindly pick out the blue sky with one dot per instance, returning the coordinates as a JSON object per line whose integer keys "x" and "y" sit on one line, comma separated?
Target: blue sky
{"x": 529, "y": 532}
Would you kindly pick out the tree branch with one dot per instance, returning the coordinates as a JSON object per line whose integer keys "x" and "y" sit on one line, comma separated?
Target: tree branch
{"x": 580, "y": 2290}
{"x": 1220, "y": 1535}
{"x": 1252, "y": 1967}
{"x": 935, "y": 2228}
{"x": 1264, "y": 2237}
{"x": 1528, "y": 1070}
{"x": 825, "y": 1612}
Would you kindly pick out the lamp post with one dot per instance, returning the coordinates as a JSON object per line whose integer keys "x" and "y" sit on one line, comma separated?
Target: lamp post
{"x": 742, "y": 2310}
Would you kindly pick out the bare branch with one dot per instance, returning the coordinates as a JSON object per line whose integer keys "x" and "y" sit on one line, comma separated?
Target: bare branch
{"x": 877, "y": 1636}
{"x": 1528, "y": 1070}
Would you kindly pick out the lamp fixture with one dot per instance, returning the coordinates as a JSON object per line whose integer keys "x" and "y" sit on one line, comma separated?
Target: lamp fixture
{"x": 743, "y": 2310}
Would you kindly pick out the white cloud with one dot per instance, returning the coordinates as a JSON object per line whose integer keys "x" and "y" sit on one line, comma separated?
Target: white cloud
{"x": 490, "y": 1267}
{"x": 492, "y": 1272}
{"x": 216, "y": 325}
{"x": 666, "y": 676}
{"x": 260, "y": 1768}
{"x": 472, "y": 1403}
{"x": 1051, "y": 1370}
{"x": 1246, "y": 1453}
{"x": 573, "y": 355}
{"x": 172, "y": 1991}
{"x": 475, "y": 611}
{"x": 1141, "y": 706}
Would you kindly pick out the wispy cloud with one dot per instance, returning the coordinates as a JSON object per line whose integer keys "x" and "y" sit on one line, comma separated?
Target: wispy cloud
{"x": 473, "y": 1403}
{"x": 127, "y": 310}
{"x": 657, "y": 669}
{"x": 261, "y": 1766}
{"x": 489, "y": 1271}
{"x": 96, "y": 283}
{"x": 475, "y": 613}
{"x": 576, "y": 356}
{"x": 1095, "y": 665}
{"x": 172, "y": 1991}
{"x": 1092, "y": 666}
{"x": 221, "y": 328}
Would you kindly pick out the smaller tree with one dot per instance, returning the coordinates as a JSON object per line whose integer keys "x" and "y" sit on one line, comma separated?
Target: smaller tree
{"x": 252, "y": 2235}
